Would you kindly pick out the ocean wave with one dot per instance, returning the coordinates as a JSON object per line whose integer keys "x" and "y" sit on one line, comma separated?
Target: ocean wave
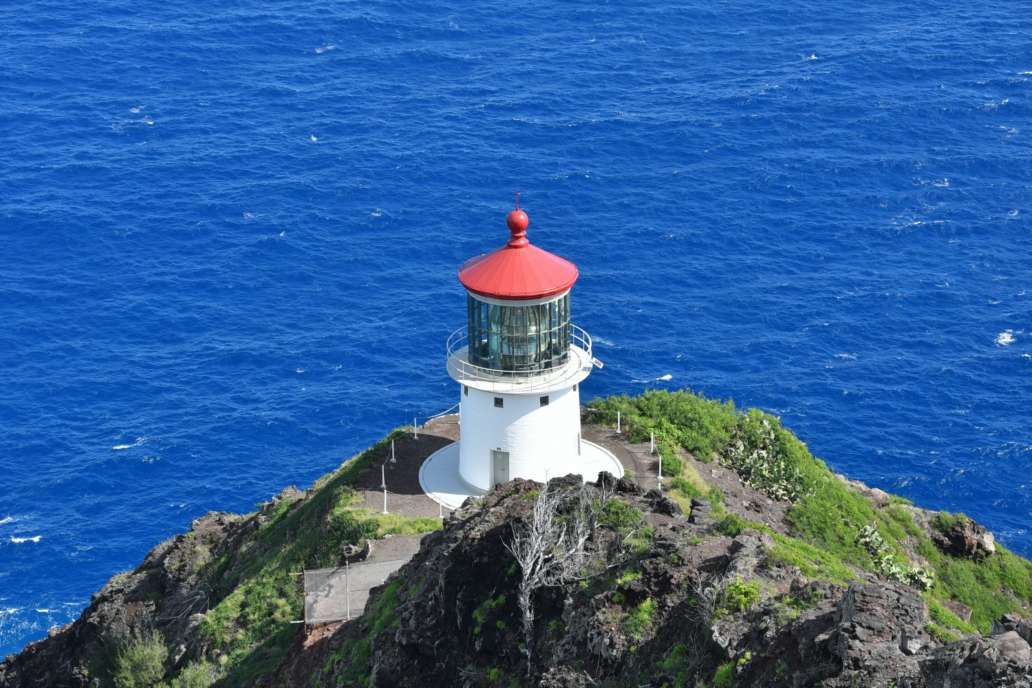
{"x": 21, "y": 540}
{"x": 1005, "y": 338}
{"x": 123, "y": 447}
{"x": 6, "y": 519}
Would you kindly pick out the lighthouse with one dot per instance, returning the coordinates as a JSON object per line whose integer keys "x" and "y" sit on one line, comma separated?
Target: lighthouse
{"x": 518, "y": 364}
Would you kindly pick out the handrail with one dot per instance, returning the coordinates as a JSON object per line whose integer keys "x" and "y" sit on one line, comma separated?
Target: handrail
{"x": 445, "y": 412}
{"x": 458, "y": 348}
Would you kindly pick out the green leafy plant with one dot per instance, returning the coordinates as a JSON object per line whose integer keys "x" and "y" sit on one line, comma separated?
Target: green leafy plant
{"x": 141, "y": 662}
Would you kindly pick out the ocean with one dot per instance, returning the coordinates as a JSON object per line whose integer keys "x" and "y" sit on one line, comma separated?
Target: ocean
{"x": 230, "y": 235}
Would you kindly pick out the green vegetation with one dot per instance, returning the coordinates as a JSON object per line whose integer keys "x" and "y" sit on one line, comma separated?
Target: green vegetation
{"x": 813, "y": 562}
{"x": 619, "y": 515}
{"x": 639, "y": 620}
{"x": 724, "y": 676}
{"x": 834, "y": 528}
{"x": 677, "y": 664}
{"x": 481, "y": 613}
{"x": 628, "y": 576}
{"x": 250, "y": 627}
{"x": 141, "y": 663}
{"x": 197, "y": 675}
{"x": 738, "y": 596}
{"x": 351, "y": 661}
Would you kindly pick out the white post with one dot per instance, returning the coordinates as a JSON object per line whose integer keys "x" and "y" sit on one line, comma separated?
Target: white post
{"x": 660, "y": 466}
{"x": 617, "y": 422}
{"x": 415, "y": 429}
{"x": 383, "y": 476}
{"x": 393, "y": 459}
{"x": 385, "y": 499}
{"x": 652, "y": 441}
{"x": 347, "y": 586}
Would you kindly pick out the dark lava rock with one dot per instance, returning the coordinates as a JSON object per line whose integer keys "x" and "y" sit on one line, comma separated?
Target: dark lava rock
{"x": 965, "y": 538}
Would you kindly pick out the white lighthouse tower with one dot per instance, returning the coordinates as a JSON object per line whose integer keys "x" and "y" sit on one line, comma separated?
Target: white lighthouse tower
{"x": 519, "y": 363}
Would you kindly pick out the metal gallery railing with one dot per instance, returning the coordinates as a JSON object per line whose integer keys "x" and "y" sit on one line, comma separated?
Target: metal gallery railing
{"x": 458, "y": 357}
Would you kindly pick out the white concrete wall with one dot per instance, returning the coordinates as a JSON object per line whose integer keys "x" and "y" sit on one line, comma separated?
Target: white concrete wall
{"x": 541, "y": 440}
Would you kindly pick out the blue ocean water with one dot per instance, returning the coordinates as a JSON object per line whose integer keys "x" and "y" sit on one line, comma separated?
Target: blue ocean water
{"x": 230, "y": 234}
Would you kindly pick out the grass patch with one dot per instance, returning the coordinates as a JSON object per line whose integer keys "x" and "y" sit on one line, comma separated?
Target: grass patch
{"x": 833, "y": 526}
{"x": 639, "y": 620}
{"x": 141, "y": 662}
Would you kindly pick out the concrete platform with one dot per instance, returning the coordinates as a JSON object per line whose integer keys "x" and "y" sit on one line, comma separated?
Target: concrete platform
{"x": 439, "y": 475}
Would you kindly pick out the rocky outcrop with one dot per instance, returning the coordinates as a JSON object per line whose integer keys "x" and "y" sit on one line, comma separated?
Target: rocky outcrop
{"x": 689, "y": 606}
{"x": 964, "y": 538}
{"x": 666, "y": 595}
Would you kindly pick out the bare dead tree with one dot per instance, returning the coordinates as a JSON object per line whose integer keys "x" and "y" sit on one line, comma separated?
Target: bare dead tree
{"x": 550, "y": 551}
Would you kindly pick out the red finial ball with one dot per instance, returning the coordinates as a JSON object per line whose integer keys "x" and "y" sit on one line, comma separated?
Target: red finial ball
{"x": 517, "y": 221}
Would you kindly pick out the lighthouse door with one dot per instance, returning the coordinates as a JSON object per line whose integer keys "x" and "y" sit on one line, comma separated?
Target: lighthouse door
{"x": 499, "y": 467}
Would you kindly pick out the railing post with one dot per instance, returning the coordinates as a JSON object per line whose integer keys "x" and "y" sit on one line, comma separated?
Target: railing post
{"x": 617, "y": 422}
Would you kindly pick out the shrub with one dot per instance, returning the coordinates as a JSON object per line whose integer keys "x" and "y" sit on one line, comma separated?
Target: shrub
{"x": 619, "y": 515}
{"x": 732, "y": 525}
{"x": 197, "y": 675}
{"x": 761, "y": 452}
{"x": 739, "y": 596}
{"x": 724, "y": 676}
{"x": 639, "y": 620}
{"x": 141, "y": 662}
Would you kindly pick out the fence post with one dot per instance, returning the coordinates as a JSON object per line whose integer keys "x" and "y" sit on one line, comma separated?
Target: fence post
{"x": 347, "y": 586}
{"x": 617, "y": 422}
{"x": 652, "y": 442}
{"x": 415, "y": 429}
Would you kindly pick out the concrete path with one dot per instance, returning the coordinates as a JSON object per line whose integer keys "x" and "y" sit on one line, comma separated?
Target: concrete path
{"x": 341, "y": 593}
{"x": 330, "y": 592}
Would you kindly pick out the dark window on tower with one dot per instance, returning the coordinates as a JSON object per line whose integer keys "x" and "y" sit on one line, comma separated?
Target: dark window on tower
{"x": 499, "y": 402}
{"x": 544, "y": 400}
{"x": 465, "y": 390}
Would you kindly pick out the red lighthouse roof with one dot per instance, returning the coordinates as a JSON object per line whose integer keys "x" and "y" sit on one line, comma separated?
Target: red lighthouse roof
{"x": 518, "y": 270}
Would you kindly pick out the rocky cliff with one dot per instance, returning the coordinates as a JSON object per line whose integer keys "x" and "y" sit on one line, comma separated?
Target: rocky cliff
{"x": 746, "y": 570}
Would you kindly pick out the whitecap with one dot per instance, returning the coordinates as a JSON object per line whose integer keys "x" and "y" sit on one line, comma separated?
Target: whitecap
{"x": 313, "y": 138}
{"x": 136, "y": 109}
{"x": 1027, "y": 72}
{"x": 148, "y": 121}
{"x": 811, "y": 57}
{"x": 44, "y": 610}
{"x": 325, "y": 48}
{"x": 665, "y": 378}
{"x": 376, "y": 213}
{"x": 123, "y": 447}
{"x": 846, "y": 356}
{"x": 19, "y": 540}
{"x": 1013, "y": 213}
{"x": 1005, "y": 338}
{"x": 944, "y": 183}
{"x": 6, "y": 519}
{"x": 299, "y": 371}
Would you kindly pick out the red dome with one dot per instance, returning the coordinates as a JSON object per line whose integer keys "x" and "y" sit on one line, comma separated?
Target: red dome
{"x": 518, "y": 270}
